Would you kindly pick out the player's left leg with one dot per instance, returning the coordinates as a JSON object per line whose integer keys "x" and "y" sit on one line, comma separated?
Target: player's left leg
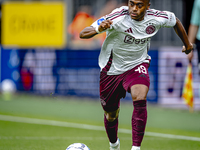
{"x": 137, "y": 83}
{"x": 139, "y": 116}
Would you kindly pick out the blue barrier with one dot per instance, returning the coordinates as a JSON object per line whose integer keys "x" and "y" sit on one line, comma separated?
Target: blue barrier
{"x": 62, "y": 72}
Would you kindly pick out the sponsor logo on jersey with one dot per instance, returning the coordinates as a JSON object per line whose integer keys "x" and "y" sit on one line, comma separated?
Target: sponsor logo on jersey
{"x": 150, "y": 29}
{"x": 100, "y": 21}
{"x": 132, "y": 40}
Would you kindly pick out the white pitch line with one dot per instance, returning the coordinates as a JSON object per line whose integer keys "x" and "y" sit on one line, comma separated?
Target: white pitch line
{"x": 53, "y": 138}
{"x": 88, "y": 127}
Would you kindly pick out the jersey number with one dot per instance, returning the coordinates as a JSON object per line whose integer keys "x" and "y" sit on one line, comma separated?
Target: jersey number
{"x": 141, "y": 69}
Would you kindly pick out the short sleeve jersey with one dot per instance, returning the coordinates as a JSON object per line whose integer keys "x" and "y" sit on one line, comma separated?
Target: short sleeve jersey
{"x": 195, "y": 18}
{"x": 128, "y": 40}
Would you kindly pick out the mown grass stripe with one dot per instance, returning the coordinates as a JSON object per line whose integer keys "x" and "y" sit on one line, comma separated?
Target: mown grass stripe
{"x": 88, "y": 127}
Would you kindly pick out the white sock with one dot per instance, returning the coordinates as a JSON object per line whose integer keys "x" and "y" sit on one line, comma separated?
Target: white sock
{"x": 114, "y": 144}
{"x": 135, "y": 148}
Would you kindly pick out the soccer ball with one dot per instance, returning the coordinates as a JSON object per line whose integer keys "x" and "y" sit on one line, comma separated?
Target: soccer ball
{"x": 8, "y": 87}
{"x": 77, "y": 146}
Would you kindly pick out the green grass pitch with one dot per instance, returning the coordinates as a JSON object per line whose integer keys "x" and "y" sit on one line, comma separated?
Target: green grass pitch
{"x": 29, "y": 122}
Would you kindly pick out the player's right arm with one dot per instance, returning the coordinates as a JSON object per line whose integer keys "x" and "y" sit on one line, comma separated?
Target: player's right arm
{"x": 88, "y": 32}
{"x": 104, "y": 23}
{"x": 91, "y": 31}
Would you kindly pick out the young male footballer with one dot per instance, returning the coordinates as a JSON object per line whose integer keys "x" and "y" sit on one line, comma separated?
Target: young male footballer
{"x": 124, "y": 61}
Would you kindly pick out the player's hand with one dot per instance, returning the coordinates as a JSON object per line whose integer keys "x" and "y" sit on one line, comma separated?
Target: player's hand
{"x": 188, "y": 49}
{"x": 190, "y": 56}
{"x": 105, "y": 25}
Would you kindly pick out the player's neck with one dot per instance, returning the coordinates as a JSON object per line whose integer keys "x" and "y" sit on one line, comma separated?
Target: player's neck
{"x": 139, "y": 20}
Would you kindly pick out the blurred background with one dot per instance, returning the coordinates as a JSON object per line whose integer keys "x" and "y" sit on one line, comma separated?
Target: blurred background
{"x": 41, "y": 52}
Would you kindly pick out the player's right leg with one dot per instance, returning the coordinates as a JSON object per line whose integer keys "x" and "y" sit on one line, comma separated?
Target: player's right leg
{"x": 111, "y": 126}
{"x": 111, "y": 91}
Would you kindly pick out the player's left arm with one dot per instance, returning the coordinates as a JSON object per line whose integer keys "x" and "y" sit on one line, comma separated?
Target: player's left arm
{"x": 192, "y": 32}
{"x": 180, "y": 31}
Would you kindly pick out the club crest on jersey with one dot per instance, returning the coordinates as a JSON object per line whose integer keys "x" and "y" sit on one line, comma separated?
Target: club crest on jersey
{"x": 100, "y": 20}
{"x": 150, "y": 29}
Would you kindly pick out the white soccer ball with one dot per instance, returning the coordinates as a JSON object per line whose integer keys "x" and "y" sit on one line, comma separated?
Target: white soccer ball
{"x": 77, "y": 146}
{"x": 8, "y": 85}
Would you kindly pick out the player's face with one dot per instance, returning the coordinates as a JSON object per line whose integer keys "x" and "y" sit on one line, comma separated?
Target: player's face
{"x": 137, "y": 9}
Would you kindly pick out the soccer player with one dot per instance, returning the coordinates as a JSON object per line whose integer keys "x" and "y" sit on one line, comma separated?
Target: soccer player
{"x": 124, "y": 61}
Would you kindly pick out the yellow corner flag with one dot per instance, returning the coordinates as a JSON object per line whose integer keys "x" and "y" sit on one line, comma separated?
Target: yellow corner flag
{"x": 187, "y": 94}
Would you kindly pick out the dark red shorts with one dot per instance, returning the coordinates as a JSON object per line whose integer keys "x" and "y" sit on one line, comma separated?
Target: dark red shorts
{"x": 114, "y": 87}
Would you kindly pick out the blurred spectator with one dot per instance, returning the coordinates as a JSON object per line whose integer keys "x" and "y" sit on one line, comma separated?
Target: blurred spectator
{"x": 36, "y": 71}
{"x": 194, "y": 32}
{"x": 82, "y": 19}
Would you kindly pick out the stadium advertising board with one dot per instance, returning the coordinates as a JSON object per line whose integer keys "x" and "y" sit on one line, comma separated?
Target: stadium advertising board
{"x": 33, "y": 24}
{"x": 62, "y": 72}
{"x": 172, "y": 66}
